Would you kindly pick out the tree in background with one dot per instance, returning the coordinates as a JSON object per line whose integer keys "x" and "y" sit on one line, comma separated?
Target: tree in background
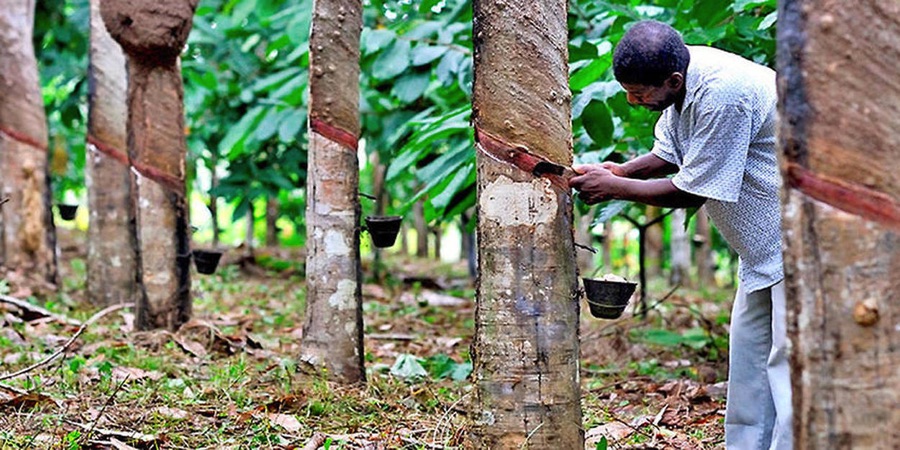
{"x": 110, "y": 247}
{"x": 525, "y": 351}
{"x": 152, "y": 35}
{"x": 333, "y": 330}
{"x": 837, "y": 71}
{"x": 27, "y": 235}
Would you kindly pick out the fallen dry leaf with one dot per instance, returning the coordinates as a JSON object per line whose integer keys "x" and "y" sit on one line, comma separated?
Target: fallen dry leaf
{"x": 28, "y": 402}
{"x": 134, "y": 374}
{"x": 171, "y": 413}
{"x": 613, "y": 431}
{"x": 286, "y": 421}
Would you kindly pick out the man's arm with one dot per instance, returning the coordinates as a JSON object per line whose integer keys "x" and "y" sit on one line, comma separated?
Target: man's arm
{"x": 643, "y": 167}
{"x": 598, "y": 184}
{"x": 648, "y": 166}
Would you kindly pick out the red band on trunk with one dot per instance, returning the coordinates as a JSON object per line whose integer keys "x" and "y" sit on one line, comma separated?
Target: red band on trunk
{"x": 517, "y": 156}
{"x": 108, "y": 150}
{"x": 25, "y": 139}
{"x": 854, "y": 199}
{"x": 335, "y": 134}
{"x": 170, "y": 182}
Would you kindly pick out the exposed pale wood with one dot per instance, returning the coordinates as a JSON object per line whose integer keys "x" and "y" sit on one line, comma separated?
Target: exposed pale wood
{"x": 840, "y": 99}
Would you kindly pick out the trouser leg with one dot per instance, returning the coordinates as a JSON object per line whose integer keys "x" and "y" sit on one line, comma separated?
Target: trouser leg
{"x": 779, "y": 373}
{"x": 750, "y": 410}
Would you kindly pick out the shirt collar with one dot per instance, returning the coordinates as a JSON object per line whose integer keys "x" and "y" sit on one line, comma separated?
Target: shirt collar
{"x": 692, "y": 80}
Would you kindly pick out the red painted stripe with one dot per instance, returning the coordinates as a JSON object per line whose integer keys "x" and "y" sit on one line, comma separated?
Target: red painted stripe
{"x": 854, "y": 199}
{"x": 23, "y": 138}
{"x": 108, "y": 150}
{"x": 517, "y": 156}
{"x": 335, "y": 134}
{"x": 168, "y": 181}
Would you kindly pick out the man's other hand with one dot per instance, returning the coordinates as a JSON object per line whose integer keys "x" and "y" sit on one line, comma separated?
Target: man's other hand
{"x": 595, "y": 182}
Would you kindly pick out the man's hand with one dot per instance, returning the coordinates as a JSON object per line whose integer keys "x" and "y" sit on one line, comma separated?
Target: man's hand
{"x": 615, "y": 168}
{"x": 596, "y": 182}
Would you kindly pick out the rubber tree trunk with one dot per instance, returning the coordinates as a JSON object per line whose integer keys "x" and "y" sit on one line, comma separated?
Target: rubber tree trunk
{"x": 333, "y": 331}
{"x": 152, "y": 35}
{"x": 213, "y": 198}
{"x": 111, "y": 258}
{"x": 421, "y": 229}
{"x": 272, "y": 210}
{"x": 525, "y": 350}
{"x": 837, "y": 71}
{"x": 27, "y": 234}
{"x": 703, "y": 254}
{"x": 654, "y": 243}
{"x": 680, "y": 245}
{"x": 585, "y": 237}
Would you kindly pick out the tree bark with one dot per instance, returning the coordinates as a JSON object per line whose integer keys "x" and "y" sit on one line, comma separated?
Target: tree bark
{"x": 213, "y": 198}
{"x": 841, "y": 215}
{"x": 27, "y": 234}
{"x": 584, "y": 236}
{"x": 525, "y": 350}
{"x": 703, "y": 254}
{"x": 152, "y": 35}
{"x": 272, "y": 207}
{"x": 654, "y": 243}
{"x": 111, "y": 258}
{"x": 421, "y": 229}
{"x": 680, "y": 245}
{"x": 333, "y": 331}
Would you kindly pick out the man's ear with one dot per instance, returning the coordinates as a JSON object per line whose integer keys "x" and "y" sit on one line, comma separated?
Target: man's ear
{"x": 675, "y": 81}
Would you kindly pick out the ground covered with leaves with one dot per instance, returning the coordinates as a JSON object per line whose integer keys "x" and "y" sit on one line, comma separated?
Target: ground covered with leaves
{"x": 228, "y": 378}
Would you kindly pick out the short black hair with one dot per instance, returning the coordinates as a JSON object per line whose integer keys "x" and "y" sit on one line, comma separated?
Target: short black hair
{"x": 649, "y": 53}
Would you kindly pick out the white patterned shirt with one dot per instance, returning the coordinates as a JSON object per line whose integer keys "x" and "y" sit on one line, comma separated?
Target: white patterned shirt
{"x": 723, "y": 142}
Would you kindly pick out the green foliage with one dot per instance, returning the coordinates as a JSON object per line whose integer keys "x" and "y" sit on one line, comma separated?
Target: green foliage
{"x": 61, "y": 29}
{"x": 440, "y": 366}
{"x": 246, "y": 74}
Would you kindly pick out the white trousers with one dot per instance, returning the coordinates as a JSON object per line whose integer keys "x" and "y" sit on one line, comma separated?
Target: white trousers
{"x": 758, "y": 414}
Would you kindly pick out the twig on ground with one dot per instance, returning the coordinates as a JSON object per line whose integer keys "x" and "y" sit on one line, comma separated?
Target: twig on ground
{"x": 132, "y": 435}
{"x": 106, "y": 404}
{"x": 14, "y": 390}
{"x": 445, "y": 416}
{"x": 3, "y": 200}
{"x": 37, "y": 310}
{"x": 68, "y": 343}
{"x": 316, "y": 441}
{"x": 530, "y": 434}
{"x": 412, "y": 441}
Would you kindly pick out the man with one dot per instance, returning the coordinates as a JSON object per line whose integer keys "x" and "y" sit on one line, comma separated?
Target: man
{"x": 716, "y": 135}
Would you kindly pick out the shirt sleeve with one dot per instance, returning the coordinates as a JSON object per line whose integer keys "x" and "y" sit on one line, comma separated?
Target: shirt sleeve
{"x": 664, "y": 143}
{"x": 715, "y": 157}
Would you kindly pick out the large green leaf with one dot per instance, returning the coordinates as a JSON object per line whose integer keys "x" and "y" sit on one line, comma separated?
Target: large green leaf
{"x": 392, "y": 61}
{"x": 233, "y": 142}
{"x": 270, "y": 82}
{"x": 598, "y": 123}
{"x": 291, "y": 124}
{"x": 424, "y": 54}
{"x": 410, "y": 87}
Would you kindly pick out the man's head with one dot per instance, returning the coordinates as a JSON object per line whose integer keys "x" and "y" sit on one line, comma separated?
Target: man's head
{"x": 650, "y": 62}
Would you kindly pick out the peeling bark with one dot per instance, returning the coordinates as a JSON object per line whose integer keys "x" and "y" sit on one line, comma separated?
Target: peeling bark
{"x": 152, "y": 36}
{"x": 110, "y": 253}
{"x": 525, "y": 350}
{"x": 27, "y": 234}
{"x": 841, "y": 217}
{"x": 333, "y": 330}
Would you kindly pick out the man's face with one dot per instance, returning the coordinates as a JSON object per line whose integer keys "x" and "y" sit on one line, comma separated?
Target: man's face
{"x": 655, "y": 98}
